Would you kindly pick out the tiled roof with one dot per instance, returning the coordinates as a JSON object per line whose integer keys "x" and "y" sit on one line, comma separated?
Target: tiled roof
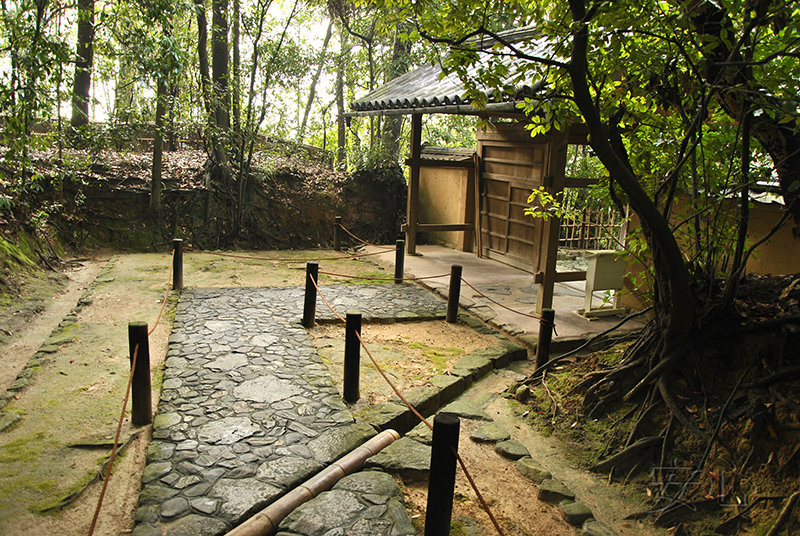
{"x": 447, "y": 154}
{"x": 426, "y": 90}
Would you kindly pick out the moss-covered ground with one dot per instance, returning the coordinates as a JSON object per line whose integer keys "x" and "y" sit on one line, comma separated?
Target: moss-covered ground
{"x": 75, "y": 396}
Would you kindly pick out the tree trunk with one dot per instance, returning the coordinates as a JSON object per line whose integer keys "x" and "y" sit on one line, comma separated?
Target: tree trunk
{"x": 202, "y": 54}
{"x": 341, "y": 128}
{"x": 672, "y": 278}
{"x": 158, "y": 148}
{"x": 372, "y": 119}
{"x": 83, "y": 65}
{"x": 392, "y": 125}
{"x": 215, "y": 110}
{"x": 219, "y": 64}
{"x": 33, "y": 70}
{"x": 236, "y": 91}
{"x": 124, "y": 92}
{"x": 313, "y": 90}
{"x": 174, "y": 90}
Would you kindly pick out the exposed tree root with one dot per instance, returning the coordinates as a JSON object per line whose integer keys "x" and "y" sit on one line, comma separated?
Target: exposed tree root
{"x": 731, "y": 526}
{"x": 784, "y": 375}
{"x": 69, "y": 499}
{"x": 612, "y": 376}
{"x": 628, "y": 456}
{"x": 554, "y": 361}
{"x": 788, "y": 508}
{"x": 553, "y": 402}
{"x": 648, "y": 410}
{"x": 615, "y": 428}
{"x": 677, "y": 412}
{"x": 670, "y": 514}
{"x": 730, "y": 396}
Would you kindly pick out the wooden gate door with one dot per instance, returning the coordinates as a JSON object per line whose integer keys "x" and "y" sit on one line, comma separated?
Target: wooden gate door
{"x": 510, "y": 170}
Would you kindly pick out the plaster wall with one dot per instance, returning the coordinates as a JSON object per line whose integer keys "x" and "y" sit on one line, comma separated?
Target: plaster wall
{"x": 780, "y": 255}
{"x": 447, "y": 196}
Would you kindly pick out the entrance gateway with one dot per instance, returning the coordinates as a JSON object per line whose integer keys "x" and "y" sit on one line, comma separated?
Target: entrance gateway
{"x": 509, "y": 164}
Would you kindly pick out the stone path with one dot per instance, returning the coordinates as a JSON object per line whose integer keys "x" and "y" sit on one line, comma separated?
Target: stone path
{"x": 249, "y": 411}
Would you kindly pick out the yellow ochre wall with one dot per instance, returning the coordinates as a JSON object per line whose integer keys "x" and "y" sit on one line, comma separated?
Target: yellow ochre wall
{"x": 447, "y": 195}
{"x": 780, "y": 255}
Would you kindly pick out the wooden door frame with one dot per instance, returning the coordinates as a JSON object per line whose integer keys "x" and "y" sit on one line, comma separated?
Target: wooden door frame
{"x": 543, "y": 263}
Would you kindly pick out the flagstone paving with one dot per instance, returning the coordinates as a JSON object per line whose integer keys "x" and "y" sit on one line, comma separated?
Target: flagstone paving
{"x": 248, "y": 410}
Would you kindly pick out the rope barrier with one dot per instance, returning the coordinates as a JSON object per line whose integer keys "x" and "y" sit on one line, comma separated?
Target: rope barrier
{"x": 484, "y": 505}
{"x": 354, "y": 236}
{"x": 116, "y": 443}
{"x": 166, "y": 295}
{"x": 382, "y": 278}
{"x": 537, "y": 317}
{"x": 346, "y": 230}
{"x": 287, "y": 259}
{"x": 500, "y": 304}
{"x": 316, "y": 286}
{"x": 344, "y": 257}
{"x": 414, "y": 411}
{"x": 381, "y": 252}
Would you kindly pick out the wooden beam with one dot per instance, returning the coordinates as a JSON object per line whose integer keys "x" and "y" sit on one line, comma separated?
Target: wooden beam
{"x": 439, "y": 227}
{"x": 476, "y": 157}
{"x": 458, "y": 164}
{"x": 557, "y": 161}
{"x": 412, "y": 216}
{"x": 561, "y": 277}
{"x": 578, "y": 134}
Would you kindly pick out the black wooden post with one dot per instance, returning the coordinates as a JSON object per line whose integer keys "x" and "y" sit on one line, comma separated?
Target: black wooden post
{"x": 141, "y": 406}
{"x": 177, "y": 264}
{"x": 352, "y": 356}
{"x": 399, "y": 260}
{"x": 337, "y": 233}
{"x": 454, "y": 295}
{"x": 442, "y": 476}
{"x": 310, "y": 303}
{"x": 546, "y": 325}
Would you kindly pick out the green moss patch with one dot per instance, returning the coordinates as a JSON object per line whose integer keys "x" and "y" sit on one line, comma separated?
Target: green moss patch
{"x": 437, "y": 355}
{"x": 23, "y": 449}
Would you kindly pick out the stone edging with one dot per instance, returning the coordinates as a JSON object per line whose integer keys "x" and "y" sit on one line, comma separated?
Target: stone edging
{"x": 58, "y": 337}
{"x": 444, "y": 388}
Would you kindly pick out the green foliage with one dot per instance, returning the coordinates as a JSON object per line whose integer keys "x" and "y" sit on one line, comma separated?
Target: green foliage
{"x": 647, "y": 80}
{"x": 545, "y": 206}
{"x": 30, "y": 31}
{"x": 449, "y": 130}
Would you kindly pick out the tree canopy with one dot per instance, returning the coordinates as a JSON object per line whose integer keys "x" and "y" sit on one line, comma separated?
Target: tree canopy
{"x": 672, "y": 93}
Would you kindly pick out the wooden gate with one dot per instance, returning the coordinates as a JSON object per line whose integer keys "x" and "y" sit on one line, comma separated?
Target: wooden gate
{"x": 510, "y": 170}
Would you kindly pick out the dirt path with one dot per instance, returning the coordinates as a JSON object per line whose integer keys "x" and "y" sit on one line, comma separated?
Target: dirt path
{"x": 32, "y": 322}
